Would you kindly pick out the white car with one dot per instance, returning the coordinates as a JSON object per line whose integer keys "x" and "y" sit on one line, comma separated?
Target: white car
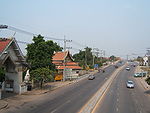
{"x": 91, "y": 77}
{"x": 130, "y": 84}
{"x": 127, "y": 68}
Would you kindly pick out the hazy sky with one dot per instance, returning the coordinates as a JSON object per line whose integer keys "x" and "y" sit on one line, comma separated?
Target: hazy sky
{"x": 118, "y": 26}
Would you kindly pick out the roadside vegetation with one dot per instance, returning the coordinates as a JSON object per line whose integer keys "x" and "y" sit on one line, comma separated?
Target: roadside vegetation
{"x": 2, "y": 76}
{"x": 39, "y": 58}
{"x": 148, "y": 80}
{"x": 85, "y": 59}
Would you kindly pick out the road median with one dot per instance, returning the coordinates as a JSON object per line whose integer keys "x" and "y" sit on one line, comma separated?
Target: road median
{"x": 91, "y": 105}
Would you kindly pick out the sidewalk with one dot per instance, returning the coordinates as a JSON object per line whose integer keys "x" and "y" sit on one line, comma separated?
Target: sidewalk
{"x": 142, "y": 79}
{"x": 3, "y": 104}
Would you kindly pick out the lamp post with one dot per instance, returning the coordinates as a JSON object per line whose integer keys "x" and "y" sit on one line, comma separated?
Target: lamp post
{"x": 3, "y": 26}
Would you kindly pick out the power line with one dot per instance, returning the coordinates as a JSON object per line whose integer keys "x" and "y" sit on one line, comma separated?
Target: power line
{"x": 78, "y": 44}
{"x": 22, "y": 42}
{"x": 33, "y": 34}
{"x": 21, "y": 31}
{"x": 26, "y": 32}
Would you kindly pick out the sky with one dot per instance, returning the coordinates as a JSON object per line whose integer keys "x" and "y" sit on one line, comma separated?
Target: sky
{"x": 120, "y": 27}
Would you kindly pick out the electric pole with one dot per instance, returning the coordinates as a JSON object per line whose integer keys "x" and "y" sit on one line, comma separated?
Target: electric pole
{"x": 95, "y": 53}
{"x": 64, "y": 64}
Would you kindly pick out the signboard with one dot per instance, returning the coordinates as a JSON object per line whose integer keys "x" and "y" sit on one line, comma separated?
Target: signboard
{"x": 96, "y": 66}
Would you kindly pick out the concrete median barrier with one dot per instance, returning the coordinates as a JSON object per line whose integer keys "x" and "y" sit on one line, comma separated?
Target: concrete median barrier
{"x": 90, "y": 106}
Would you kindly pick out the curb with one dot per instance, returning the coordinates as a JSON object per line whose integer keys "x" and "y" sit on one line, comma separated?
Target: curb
{"x": 4, "y": 105}
{"x": 144, "y": 86}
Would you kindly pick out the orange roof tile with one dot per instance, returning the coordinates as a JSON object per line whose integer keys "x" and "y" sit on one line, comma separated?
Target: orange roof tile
{"x": 59, "y": 55}
{"x": 3, "y": 43}
{"x": 71, "y": 63}
{"x": 71, "y": 67}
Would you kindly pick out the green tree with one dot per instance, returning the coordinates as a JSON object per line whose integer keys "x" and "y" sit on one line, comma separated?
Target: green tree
{"x": 84, "y": 57}
{"x": 112, "y": 58}
{"x": 39, "y": 57}
{"x": 41, "y": 75}
{"x": 40, "y": 52}
{"x": 2, "y": 74}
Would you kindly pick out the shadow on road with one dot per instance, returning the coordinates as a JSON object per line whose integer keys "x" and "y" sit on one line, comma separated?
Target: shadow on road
{"x": 147, "y": 92}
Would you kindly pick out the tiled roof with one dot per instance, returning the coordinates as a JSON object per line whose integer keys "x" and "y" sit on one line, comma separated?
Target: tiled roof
{"x": 58, "y": 59}
{"x": 71, "y": 67}
{"x": 3, "y": 43}
{"x": 67, "y": 63}
{"x": 60, "y": 55}
{"x": 71, "y": 63}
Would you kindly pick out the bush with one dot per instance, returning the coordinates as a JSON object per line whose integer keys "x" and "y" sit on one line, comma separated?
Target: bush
{"x": 2, "y": 74}
{"x": 41, "y": 75}
{"x": 148, "y": 80}
{"x": 50, "y": 78}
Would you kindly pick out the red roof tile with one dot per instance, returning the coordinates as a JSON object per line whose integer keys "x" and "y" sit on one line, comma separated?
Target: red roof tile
{"x": 71, "y": 67}
{"x": 59, "y": 55}
{"x": 71, "y": 63}
{"x": 4, "y": 43}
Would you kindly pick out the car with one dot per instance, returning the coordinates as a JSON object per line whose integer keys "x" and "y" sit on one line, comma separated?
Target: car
{"x": 130, "y": 84}
{"x": 115, "y": 66}
{"x": 127, "y": 68}
{"x": 91, "y": 77}
{"x": 137, "y": 75}
{"x": 140, "y": 74}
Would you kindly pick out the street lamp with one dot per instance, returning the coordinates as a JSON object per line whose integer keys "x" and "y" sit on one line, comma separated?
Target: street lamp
{"x": 3, "y": 26}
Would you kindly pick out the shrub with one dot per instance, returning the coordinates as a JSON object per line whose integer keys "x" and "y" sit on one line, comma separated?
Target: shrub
{"x": 148, "y": 80}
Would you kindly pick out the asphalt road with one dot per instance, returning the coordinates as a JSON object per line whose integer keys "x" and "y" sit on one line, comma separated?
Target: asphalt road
{"x": 120, "y": 99}
{"x": 68, "y": 99}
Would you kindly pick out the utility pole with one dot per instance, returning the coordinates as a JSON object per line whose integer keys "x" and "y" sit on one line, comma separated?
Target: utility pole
{"x": 127, "y": 57}
{"x": 64, "y": 63}
{"x": 85, "y": 58}
{"x": 95, "y": 53}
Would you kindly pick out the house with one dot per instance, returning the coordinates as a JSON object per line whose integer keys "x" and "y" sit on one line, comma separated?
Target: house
{"x": 64, "y": 60}
{"x": 13, "y": 62}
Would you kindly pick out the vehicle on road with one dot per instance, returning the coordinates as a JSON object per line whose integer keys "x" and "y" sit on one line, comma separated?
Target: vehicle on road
{"x": 130, "y": 84}
{"x": 103, "y": 71}
{"x": 137, "y": 75}
{"x": 140, "y": 74}
{"x": 128, "y": 68}
{"x": 115, "y": 66}
{"x": 91, "y": 77}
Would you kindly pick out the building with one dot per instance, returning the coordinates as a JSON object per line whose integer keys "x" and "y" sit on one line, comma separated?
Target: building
{"x": 64, "y": 60}
{"x": 13, "y": 62}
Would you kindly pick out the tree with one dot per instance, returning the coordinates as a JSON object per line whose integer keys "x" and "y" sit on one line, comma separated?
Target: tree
{"x": 40, "y": 52}
{"x": 41, "y": 75}
{"x": 39, "y": 57}
{"x": 140, "y": 60}
{"x": 112, "y": 58}
{"x": 84, "y": 57}
{"x": 2, "y": 74}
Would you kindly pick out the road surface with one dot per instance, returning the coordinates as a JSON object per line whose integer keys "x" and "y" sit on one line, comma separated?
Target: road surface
{"x": 68, "y": 99}
{"x": 120, "y": 99}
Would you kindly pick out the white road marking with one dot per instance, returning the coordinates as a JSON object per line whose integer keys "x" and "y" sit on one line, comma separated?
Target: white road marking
{"x": 60, "y": 106}
{"x": 117, "y": 99}
{"x": 117, "y": 109}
